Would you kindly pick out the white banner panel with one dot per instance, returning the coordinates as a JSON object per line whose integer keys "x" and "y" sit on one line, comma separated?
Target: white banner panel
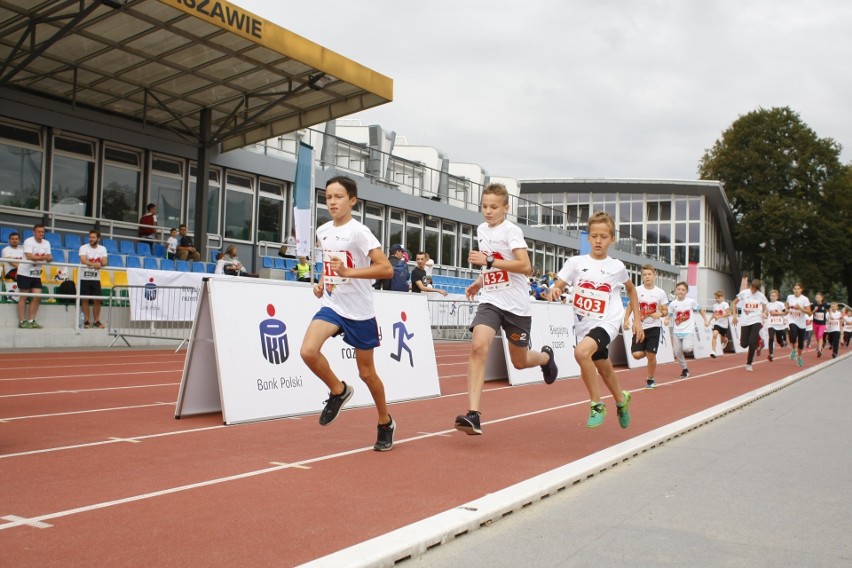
{"x": 552, "y": 324}
{"x": 257, "y": 326}
{"x": 702, "y": 346}
{"x": 149, "y": 303}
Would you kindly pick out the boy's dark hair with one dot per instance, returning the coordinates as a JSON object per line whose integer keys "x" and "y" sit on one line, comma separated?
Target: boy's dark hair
{"x": 150, "y": 206}
{"x": 348, "y": 184}
{"x": 14, "y": 234}
{"x": 684, "y": 284}
{"x": 96, "y": 232}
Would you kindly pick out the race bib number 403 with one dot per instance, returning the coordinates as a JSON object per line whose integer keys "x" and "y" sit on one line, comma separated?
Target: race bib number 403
{"x": 495, "y": 279}
{"x": 590, "y": 303}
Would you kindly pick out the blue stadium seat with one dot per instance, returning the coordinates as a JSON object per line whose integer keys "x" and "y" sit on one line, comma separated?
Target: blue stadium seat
{"x": 289, "y": 263}
{"x": 211, "y": 267}
{"x": 73, "y": 257}
{"x": 58, "y": 255}
{"x": 126, "y": 247}
{"x": 133, "y": 262}
{"x": 73, "y": 242}
{"x": 144, "y": 249}
{"x": 289, "y": 276}
{"x": 213, "y": 254}
{"x": 182, "y": 266}
{"x": 199, "y": 267}
{"x": 110, "y": 245}
{"x": 115, "y": 260}
{"x": 26, "y": 234}
{"x": 268, "y": 262}
{"x": 279, "y": 263}
{"x": 4, "y": 234}
{"x": 54, "y": 239}
{"x": 159, "y": 250}
{"x": 150, "y": 263}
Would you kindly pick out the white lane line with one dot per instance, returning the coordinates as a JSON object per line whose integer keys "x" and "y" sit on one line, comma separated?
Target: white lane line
{"x": 91, "y": 410}
{"x": 76, "y": 391}
{"x": 89, "y": 375}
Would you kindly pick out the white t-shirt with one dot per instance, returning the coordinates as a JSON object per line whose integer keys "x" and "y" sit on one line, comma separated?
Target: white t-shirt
{"x": 796, "y": 306}
{"x": 719, "y": 310}
{"x": 680, "y": 316}
{"x": 508, "y": 291}
{"x": 92, "y": 254}
{"x": 9, "y": 252}
{"x": 847, "y": 324}
{"x": 171, "y": 245}
{"x": 752, "y": 306}
{"x": 650, "y": 301}
{"x": 776, "y": 322}
{"x": 26, "y": 268}
{"x": 833, "y": 321}
{"x": 597, "y": 288}
{"x": 809, "y": 323}
{"x": 351, "y": 298}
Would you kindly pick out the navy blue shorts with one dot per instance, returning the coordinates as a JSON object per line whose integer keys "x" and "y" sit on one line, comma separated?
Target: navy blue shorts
{"x": 360, "y": 334}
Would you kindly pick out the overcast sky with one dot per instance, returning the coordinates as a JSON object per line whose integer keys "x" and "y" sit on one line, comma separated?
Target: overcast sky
{"x": 604, "y": 88}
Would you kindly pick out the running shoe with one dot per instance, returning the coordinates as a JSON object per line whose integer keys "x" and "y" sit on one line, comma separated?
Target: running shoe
{"x": 597, "y": 413}
{"x": 623, "y": 410}
{"x": 819, "y": 353}
{"x": 24, "y": 324}
{"x": 713, "y": 355}
{"x": 793, "y": 355}
{"x": 469, "y": 423}
{"x": 770, "y": 357}
{"x": 800, "y": 362}
{"x": 651, "y": 384}
{"x": 334, "y": 403}
{"x": 549, "y": 369}
{"x": 684, "y": 374}
{"x": 34, "y": 324}
{"x": 749, "y": 369}
{"x": 384, "y": 441}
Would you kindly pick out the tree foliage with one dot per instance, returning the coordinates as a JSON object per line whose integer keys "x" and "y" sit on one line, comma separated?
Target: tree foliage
{"x": 790, "y": 196}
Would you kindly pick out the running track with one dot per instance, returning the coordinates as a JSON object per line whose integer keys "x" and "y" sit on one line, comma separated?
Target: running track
{"x": 95, "y": 470}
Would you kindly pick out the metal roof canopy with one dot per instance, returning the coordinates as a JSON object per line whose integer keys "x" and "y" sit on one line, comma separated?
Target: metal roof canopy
{"x": 163, "y": 62}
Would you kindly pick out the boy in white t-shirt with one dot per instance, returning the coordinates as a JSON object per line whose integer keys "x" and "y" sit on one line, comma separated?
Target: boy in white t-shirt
{"x": 683, "y": 323}
{"x": 352, "y": 258}
{"x": 172, "y": 244}
{"x": 754, "y": 304}
{"x": 798, "y": 310}
{"x": 721, "y": 319}
{"x": 93, "y": 257}
{"x": 653, "y": 302}
{"x": 776, "y": 317}
{"x": 504, "y": 302}
{"x": 597, "y": 280}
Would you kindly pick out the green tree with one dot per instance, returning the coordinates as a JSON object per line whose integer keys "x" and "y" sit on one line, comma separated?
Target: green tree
{"x": 789, "y": 193}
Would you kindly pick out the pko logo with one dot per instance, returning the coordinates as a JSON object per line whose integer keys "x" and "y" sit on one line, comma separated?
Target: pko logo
{"x": 151, "y": 290}
{"x": 273, "y": 338}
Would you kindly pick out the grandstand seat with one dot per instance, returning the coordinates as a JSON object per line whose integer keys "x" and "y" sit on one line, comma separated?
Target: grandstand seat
{"x": 73, "y": 242}
{"x": 54, "y": 239}
{"x": 106, "y": 279}
{"x": 126, "y": 247}
{"x": 279, "y": 263}
{"x": 268, "y": 262}
{"x": 73, "y": 257}
{"x": 150, "y": 263}
{"x": 167, "y": 264}
{"x": 110, "y": 245}
{"x": 144, "y": 249}
{"x": 133, "y": 262}
{"x": 182, "y": 266}
{"x": 120, "y": 278}
{"x": 289, "y": 263}
{"x": 289, "y": 276}
{"x": 211, "y": 268}
{"x": 116, "y": 260}
{"x": 4, "y": 234}
{"x": 58, "y": 255}
{"x": 159, "y": 250}
{"x": 199, "y": 267}
{"x": 213, "y": 254}
{"x": 26, "y": 234}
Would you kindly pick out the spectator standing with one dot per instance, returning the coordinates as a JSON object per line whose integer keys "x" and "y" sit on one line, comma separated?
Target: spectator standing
{"x": 172, "y": 244}
{"x": 93, "y": 256}
{"x": 148, "y": 222}
{"x": 36, "y": 254}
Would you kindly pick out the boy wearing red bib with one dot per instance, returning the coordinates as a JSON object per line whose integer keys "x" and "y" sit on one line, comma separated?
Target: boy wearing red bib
{"x": 754, "y": 304}
{"x": 504, "y": 302}
{"x": 798, "y": 309}
{"x": 597, "y": 280}
{"x": 653, "y": 303}
{"x": 776, "y": 318}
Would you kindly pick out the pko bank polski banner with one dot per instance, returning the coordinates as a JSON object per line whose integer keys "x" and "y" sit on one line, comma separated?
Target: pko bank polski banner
{"x": 163, "y": 295}
{"x": 244, "y": 360}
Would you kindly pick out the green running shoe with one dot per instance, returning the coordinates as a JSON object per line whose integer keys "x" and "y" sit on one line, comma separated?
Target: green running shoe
{"x": 597, "y": 413}
{"x": 793, "y": 355}
{"x": 34, "y": 325}
{"x": 800, "y": 362}
{"x": 24, "y": 324}
{"x": 623, "y": 410}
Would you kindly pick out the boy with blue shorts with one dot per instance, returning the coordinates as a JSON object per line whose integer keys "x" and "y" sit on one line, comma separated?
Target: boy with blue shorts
{"x": 352, "y": 259}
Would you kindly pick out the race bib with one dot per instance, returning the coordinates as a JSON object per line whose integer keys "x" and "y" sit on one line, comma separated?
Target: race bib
{"x": 833, "y": 325}
{"x": 35, "y": 271}
{"x": 590, "y": 303}
{"x": 495, "y": 279}
{"x": 329, "y": 275}
{"x": 90, "y": 273}
{"x": 819, "y": 317}
{"x": 750, "y": 307}
{"x": 776, "y": 320}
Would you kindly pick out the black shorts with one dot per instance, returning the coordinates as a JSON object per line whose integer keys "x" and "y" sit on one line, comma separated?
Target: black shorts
{"x": 90, "y": 288}
{"x": 723, "y": 331}
{"x": 648, "y": 345}
{"x": 601, "y": 337}
{"x": 27, "y": 283}
{"x": 517, "y": 328}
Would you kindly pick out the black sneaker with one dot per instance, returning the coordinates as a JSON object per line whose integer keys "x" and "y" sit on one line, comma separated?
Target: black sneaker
{"x": 384, "y": 441}
{"x": 684, "y": 374}
{"x": 334, "y": 403}
{"x": 469, "y": 423}
{"x": 651, "y": 384}
{"x": 713, "y": 355}
{"x": 549, "y": 369}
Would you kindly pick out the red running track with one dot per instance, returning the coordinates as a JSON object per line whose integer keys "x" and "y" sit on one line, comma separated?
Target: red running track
{"x": 95, "y": 470}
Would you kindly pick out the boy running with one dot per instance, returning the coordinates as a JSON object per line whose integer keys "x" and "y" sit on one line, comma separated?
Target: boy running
{"x": 833, "y": 325}
{"x": 504, "y": 302}
{"x": 798, "y": 309}
{"x": 847, "y": 326}
{"x": 352, "y": 257}
{"x": 683, "y": 324}
{"x": 722, "y": 317}
{"x": 754, "y": 303}
{"x": 652, "y": 307}
{"x": 776, "y": 312}
{"x": 597, "y": 280}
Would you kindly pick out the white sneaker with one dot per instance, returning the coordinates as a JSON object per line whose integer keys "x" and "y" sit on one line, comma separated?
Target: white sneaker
{"x": 748, "y": 368}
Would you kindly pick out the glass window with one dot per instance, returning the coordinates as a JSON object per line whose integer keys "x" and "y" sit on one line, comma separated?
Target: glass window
{"x": 375, "y": 220}
{"x": 652, "y": 233}
{"x": 413, "y": 232}
{"x": 680, "y": 210}
{"x": 270, "y": 211}
{"x": 433, "y": 239}
{"x": 73, "y": 180}
{"x": 323, "y": 216}
{"x": 694, "y": 208}
{"x": 21, "y": 159}
{"x": 214, "y": 193}
{"x": 448, "y": 245}
{"x": 680, "y": 232}
{"x": 694, "y": 233}
{"x": 122, "y": 180}
{"x": 624, "y": 212}
{"x": 653, "y": 211}
{"x": 239, "y": 207}
{"x": 466, "y": 244}
{"x": 694, "y": 252}
{"x": 665, "y": 233}
{"x": 166, "y": 189}
{"x": 665, "y": 211}
{"x": 680, "y": 255}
